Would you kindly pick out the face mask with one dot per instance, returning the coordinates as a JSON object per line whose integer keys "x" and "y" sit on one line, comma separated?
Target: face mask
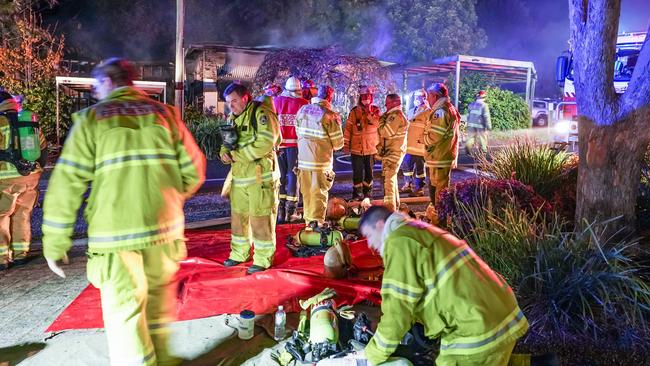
{"x": 365, "y": 101}
{"x": 417, "y": 102}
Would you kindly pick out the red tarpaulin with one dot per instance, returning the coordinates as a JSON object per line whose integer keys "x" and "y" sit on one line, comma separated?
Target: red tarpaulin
{"x": 207, "y": 288}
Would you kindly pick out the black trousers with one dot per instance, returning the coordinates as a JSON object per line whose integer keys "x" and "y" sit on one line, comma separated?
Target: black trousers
{"x": 362, "y": 171}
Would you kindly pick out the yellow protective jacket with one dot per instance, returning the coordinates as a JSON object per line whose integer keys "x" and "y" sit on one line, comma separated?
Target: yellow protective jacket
{"x": 8, "y": 170}
{"x": 319, "y": 132}
{"x": 392, "y": 135}
{"x": 254, "y": 158}
{"x": 141, "y": 163}
{"x": 441, "y": 135}
{"x": 436, "y": 279}
{"x": 415, "y": 134}
{"x": 360, "y": 134}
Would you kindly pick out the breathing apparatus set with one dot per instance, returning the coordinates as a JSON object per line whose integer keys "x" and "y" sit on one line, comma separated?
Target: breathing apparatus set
{"x": 24, "y": 149}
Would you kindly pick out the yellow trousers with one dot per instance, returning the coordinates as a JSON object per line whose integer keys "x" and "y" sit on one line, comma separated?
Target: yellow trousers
{"x": 389, "y": 169}
{"x": 253, "y": 214}
{"x": 498, "y": 357}
{"x": 314, "y": 187}
{"x": 438, "y": 180}
{"x": 18, "y": 196}
{"x": 138, "y": 298}
{"x": 476, "y": 136}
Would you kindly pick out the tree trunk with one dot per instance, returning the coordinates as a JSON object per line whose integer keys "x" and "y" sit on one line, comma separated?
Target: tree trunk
{"x": 609, "y": 172}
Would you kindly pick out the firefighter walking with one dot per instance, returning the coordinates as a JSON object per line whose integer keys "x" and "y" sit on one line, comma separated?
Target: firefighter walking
{"x": 287, "y": 105}
{"x": 441, "y": 142}
{"x": 319, "y": 134}
{"x": 478, "y": 123}
{"x": 18, "y": 192}
{"x": 391, "y": 147}
{"x": 255, "y": 178}
{"x": 360, "y": 140}
{"x": 413, "y": 165}
{"x": 141, "y": 163}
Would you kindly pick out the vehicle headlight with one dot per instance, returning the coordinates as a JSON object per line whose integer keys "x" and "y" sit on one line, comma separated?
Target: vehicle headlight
{"x": 563, "y": 127}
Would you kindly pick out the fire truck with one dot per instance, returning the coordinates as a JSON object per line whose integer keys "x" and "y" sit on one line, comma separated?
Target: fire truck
{"x": 628, "y": 47}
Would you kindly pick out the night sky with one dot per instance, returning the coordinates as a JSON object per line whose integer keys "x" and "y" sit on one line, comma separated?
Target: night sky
{"x": 144, "y": 29}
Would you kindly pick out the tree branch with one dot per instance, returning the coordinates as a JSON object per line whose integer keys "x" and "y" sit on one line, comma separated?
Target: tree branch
{"x": 637, "y": 94}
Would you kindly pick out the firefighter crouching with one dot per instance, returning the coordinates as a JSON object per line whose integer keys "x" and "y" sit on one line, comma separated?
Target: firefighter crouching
{"x": 436, "y": 279}
{"x": 255, "y": 178}
{"x": 441, "y": 142}
{"x": 318, "y": 128}
{"x": 413, "y": 165}
{"x": 391, "y": 147}
{"x": 141, "y": 163}
{"x": 18, "y": 192}
{"x": 287, "y": 105}
{"x": 360, "y": 140}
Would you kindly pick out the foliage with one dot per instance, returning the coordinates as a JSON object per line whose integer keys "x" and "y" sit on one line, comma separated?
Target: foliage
{"x": 586, "y": 286}
{"x": 507, "y": 237}
{"x": 643, "y": 200}
{"x": 29, "y": 62}
{"x": 327, "y": 65}
{"x": 205, "y": 129}
{"x": 508, "y": 110}
{"x": 538, "y": 166}
{"x": 498, "y": 194}
{"x": 470, "y": 84}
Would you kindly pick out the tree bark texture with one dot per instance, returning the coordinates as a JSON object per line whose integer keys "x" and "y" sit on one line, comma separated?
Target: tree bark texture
{"x": 614, "y": 129}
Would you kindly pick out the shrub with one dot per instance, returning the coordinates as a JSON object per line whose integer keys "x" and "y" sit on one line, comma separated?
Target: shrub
{"x": 470, "y": 84}
{"x": 586, "y": 287}
{"x": 535, "y": 165}
{"x": 498, "y": 194}
{"x": 506, "y": 240}
{"x": 508, "y": 110}
{"x": 205, "y": 129}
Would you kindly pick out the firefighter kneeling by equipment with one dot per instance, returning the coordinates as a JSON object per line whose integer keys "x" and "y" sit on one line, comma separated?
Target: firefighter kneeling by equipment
{"x": 435, "y": 279}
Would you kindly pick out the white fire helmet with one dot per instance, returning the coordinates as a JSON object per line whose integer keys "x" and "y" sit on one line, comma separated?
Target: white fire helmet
{"x": 293, "y": 85}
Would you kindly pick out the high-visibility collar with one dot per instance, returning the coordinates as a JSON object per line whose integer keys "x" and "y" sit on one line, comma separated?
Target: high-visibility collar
{"x": 393, "y": 222}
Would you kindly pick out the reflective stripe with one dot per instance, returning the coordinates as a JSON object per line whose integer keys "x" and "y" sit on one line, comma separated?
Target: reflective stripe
{"x": 513, "y": 323}
{"x": 57, "y": 226}
{"x": 336, "y": 134}
{"x": 312, "y": 165}
{"x": 387, "y": 127}
{"x": 439, "y": 130}
{"x": 445, "y": 269}
{"x": 420, "y": 175}
{"x": 383, "y": 343}
{"x": 93, "y": 239}
{"x": 292, "y": 198}
{"x": 438, "y": 163}
{"x": 266, "y": 177}
{"x": 289, "y": 141}
{"x": 20, "y": 245}
{"x": 145, "y": 158}
{"x": 400, "y": 290}
{"x": 408, "y": 174}
{"x": 264, "y": 243}
{"x": 69, "y": 163}
{"x": 310, "y": 132}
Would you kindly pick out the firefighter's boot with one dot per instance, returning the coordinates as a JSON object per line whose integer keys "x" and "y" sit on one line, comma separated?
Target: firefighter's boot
{"x": 357, "y": 193}
{"x": 406, "y": 188}
{"x": 291, "y": 214}
{"x": 282, "y": 212}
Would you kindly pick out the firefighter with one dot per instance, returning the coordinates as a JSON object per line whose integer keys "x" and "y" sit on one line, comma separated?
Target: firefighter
{"x": 440, "y": 142}
{"x": 141, "y": 163}
{"x": 319, "y": 134}
{"x": 436, "y": 279}
{"x": 272, "y": 90}
{"x": 309, "y": 89}
{"x": 360, "y": 140}
{"x": 286, "y": 106}
{"x": 413, "y": 166}
{"x": 18, "y": 193}
{"x": 478, "y": 123}
{"x": 391, "y": 147}
{"x": 255, "y": 178}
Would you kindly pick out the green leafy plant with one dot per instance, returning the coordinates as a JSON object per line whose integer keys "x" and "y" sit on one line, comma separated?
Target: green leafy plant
{"x": 470, "y": 84}
{"x": 508, "y": 110}
{"x": 205, "y": 129}
{"x": 538, "y": 166}
{"x": 585, "y": 286}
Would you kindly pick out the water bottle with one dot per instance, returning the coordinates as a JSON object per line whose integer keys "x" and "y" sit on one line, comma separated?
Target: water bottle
{"x": 280, "y": 324}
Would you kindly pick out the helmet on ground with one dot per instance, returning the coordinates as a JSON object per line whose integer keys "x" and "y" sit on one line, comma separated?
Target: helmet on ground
{"x": 336, "y": 208}
{"x": 337, "y": 260}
